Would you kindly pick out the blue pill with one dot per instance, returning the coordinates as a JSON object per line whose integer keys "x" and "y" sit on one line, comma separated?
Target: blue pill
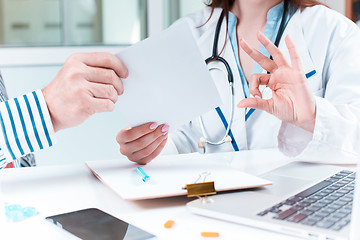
{"x": 15, "y": 216}
{"x": 29, "y": 211}
{"x": 13, "y": 207}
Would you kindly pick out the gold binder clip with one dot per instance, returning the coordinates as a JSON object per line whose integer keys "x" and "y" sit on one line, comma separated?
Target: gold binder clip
{"x": 201, "y": 189}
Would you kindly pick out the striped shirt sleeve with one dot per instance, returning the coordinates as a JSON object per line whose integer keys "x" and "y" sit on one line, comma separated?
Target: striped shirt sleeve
{"x": 25, "y": 127}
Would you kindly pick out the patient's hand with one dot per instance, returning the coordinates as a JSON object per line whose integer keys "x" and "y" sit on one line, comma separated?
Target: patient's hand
{"x": 88, "y": 83}
{"x": 142, "y": 144}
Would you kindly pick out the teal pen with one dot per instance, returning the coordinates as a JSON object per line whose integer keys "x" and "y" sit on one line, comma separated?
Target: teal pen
{"x": 143, "y": 175}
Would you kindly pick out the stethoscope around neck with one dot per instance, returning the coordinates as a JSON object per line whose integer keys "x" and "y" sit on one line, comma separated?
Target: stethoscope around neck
{"x": 215, "y": 57}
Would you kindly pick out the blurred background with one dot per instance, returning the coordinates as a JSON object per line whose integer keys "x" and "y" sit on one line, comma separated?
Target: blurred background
{"x": 36, "y": 37}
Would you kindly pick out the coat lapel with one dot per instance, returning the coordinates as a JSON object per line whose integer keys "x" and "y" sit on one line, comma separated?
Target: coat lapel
{"x": 295, "y": 30}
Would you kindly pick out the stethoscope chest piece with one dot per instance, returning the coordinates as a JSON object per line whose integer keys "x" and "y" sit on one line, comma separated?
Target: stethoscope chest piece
{"x": 203, "y": 142}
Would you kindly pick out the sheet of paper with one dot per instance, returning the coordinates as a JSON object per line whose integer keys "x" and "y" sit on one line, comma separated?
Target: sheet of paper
{"x": 168, "y": 81}
{"x": 169, "y": 174}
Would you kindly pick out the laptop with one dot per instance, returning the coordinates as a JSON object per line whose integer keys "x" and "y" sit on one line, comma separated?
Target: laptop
{"x": 306, "y": 200}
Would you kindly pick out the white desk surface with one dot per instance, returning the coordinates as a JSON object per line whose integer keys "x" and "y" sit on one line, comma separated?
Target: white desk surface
{"x": 60, "y": 189}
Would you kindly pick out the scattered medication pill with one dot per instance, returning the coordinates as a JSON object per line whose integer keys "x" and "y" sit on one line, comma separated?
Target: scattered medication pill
{"x": 169, "y": 224}
{"x": 16, "y": 213}
{"x": 210, "y": 234}
{"x": 29, "y": 211}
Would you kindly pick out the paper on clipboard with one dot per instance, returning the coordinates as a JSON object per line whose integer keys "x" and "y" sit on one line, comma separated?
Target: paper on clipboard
{"x": 168, "y": 176}
{"x": 168, "y": 81}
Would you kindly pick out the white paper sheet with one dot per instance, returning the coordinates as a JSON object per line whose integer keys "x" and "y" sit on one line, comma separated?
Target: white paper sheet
{"x": 168, "y": 81}
{"x": 169, "y": 174}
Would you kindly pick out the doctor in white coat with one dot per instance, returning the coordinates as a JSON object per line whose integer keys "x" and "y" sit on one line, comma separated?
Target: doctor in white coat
{"x": 307, "y": 96}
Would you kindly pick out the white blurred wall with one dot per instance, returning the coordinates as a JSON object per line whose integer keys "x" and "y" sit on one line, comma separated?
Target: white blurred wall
{"x": 338, "y": 5}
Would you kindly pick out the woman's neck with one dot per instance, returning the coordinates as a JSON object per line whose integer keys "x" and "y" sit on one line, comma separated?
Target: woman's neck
{"x": 252, "y": 17}
{"x": 253, "y": 12}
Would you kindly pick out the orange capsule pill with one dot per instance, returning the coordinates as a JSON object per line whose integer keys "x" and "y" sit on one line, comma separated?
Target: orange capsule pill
{"x": 169, "y": 224}
{"x": 210, "y": 234}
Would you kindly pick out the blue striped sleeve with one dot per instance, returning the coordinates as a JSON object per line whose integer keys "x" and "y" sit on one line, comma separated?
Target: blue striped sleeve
{"x": 25, "y": 127}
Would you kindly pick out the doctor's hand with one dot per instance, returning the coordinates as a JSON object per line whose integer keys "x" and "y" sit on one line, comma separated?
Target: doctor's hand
{"x": 292, "y": 100}
{"x": 88, "y": 83}
{"x": 142, "y": 144}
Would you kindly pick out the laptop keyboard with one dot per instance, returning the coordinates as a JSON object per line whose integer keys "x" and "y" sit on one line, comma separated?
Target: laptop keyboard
{"x": 326, "y": 205}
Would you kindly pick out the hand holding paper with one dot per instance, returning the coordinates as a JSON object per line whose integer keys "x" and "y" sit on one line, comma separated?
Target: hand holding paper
{"x": 169, "y": 83}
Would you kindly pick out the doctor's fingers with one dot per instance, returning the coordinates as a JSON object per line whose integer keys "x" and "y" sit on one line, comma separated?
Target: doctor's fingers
{"x": 104, "y": 76}
{"x": 273, "y": 50}
{"x": 257, "y": 80}
{"x": 266, "y": 63}
{"x": 130, "y": 148}
{"x": 147, "y": 154}
{"x": 256, "y": 103}
{"x": 130, "y": 134}
{"x": 102, "y": 60}
{"x": 294, "y": 56}
{"x": 153, "y": 155}
{"x": 103, "y": 91}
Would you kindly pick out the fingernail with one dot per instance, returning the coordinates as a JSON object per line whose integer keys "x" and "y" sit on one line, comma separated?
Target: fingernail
{"x": 165, "y": 128}
{"x": 257, "y": 96}
{"x": 153, "y": 126}
{"x": 166, "y": 137}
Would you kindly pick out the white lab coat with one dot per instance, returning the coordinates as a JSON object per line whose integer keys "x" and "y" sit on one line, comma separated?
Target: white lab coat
{"x": 326, "y": 42}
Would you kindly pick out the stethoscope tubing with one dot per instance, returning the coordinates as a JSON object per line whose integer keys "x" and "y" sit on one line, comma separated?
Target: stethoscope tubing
{"x": 228, "y": 129}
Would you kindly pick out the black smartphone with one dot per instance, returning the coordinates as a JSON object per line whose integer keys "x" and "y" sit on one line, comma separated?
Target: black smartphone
{"x": 94, "y": 224}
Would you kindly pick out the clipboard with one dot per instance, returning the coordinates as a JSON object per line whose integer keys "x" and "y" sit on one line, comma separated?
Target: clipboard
{"x": 169, "y": 175}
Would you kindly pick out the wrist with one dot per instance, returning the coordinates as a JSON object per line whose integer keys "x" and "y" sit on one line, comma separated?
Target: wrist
{"x": 307, "y": 111}
{"x": 308, "y": 123}
{"x": 51, "y": 112}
